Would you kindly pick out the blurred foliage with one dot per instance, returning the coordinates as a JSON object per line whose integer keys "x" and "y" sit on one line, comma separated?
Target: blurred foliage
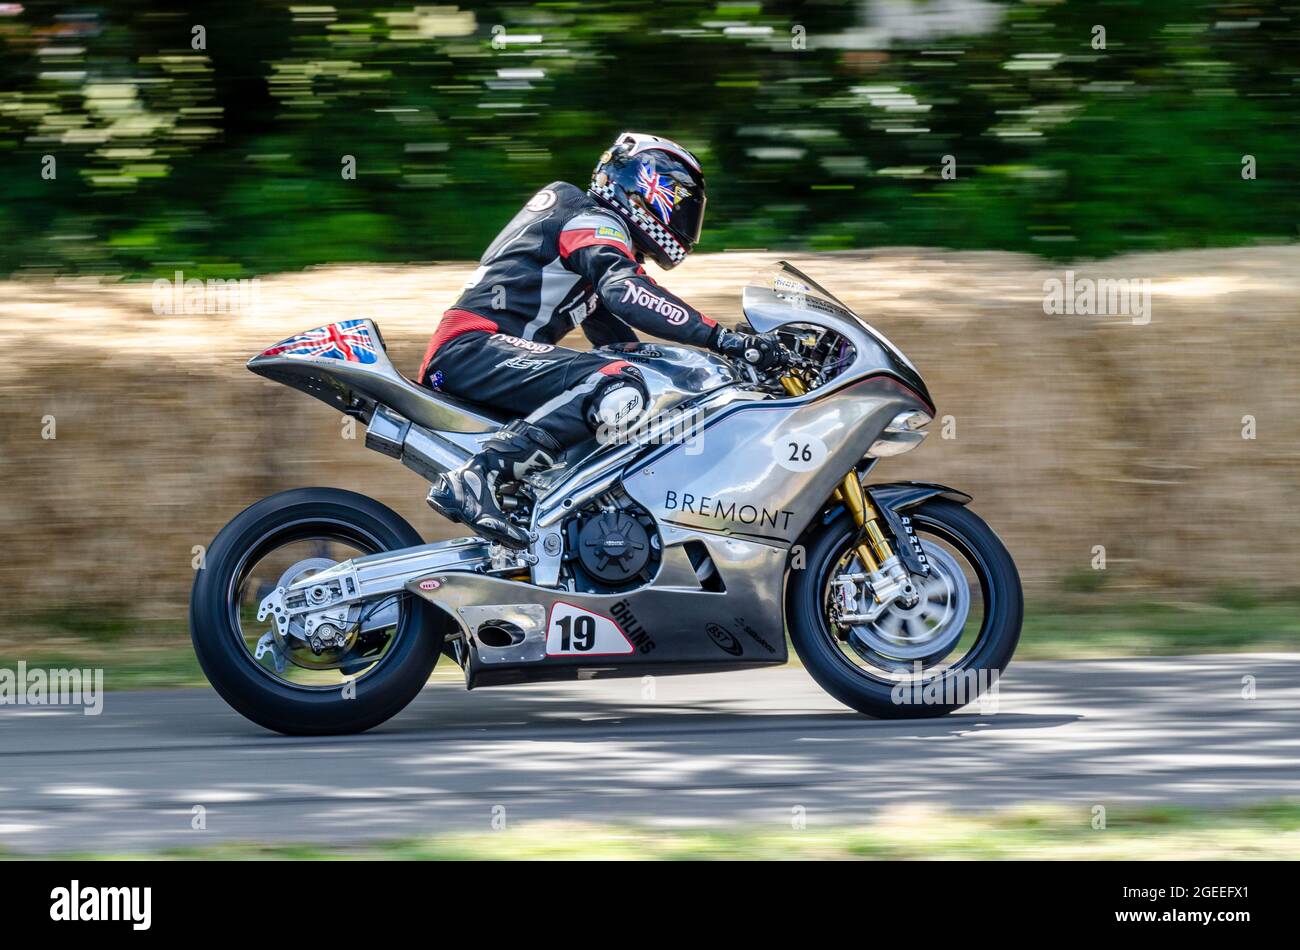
{"x": 821, "y": 125}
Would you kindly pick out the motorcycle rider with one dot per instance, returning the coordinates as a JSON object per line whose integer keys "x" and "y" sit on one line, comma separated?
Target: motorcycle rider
{"x": 571, "y": 258}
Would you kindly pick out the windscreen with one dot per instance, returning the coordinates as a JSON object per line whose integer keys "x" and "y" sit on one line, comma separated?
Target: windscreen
{"x": 799, "y": 289}
{"x": 793, "y": 285}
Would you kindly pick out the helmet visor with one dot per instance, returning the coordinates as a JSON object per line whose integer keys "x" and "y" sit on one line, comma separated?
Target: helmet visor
{"x": 688, "y": 218}
{"x": 670, "y": 191}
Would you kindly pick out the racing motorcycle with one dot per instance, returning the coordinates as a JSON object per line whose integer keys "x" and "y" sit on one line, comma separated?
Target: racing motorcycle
{"x": 738, "y": 509}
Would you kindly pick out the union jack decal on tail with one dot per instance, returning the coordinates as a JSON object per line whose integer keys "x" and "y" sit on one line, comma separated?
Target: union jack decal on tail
{"x": 350, "y": 340}
{"x": 658, "y": 190}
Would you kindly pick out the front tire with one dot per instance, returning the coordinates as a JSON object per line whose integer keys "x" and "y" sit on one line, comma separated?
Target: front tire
{"x": 253, "y": 689}
{"x": 890, "y": 693}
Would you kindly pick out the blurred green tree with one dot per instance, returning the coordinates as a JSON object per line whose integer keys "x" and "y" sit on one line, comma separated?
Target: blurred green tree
{"x": 140, "y": 137}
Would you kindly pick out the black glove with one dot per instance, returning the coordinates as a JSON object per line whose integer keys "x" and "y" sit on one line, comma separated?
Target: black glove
{"x": 761, "y": 352}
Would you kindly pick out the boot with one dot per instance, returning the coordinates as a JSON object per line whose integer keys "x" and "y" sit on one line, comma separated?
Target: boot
{"x": 469, "y": 494}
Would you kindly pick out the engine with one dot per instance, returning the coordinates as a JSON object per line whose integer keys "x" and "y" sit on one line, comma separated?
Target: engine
{"x": 611, "y": 546}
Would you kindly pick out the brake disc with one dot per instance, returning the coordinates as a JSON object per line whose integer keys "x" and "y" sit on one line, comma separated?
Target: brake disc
{"x": 296, "y": 646}
{"x": 928, "y": 630}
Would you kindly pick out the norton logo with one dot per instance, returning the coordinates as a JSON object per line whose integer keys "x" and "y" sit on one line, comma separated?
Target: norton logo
{"x": 654, "y": 303}
{"x": 134, "y": 904}
{"x": 725, "y": 639}
{"x": 430, "y": 585}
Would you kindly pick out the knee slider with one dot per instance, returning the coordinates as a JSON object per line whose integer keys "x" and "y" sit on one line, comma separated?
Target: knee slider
{"x": 619, "y": 404}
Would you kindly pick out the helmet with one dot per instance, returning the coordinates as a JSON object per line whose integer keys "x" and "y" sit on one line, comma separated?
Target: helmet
{"x": 656, "y": 186}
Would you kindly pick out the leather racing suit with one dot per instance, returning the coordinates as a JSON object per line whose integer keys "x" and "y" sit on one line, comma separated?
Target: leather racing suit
{"x": 564, "y": 261}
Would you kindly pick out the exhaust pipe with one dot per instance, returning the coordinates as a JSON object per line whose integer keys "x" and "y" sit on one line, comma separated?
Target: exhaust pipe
{"x": 421, "y": 450}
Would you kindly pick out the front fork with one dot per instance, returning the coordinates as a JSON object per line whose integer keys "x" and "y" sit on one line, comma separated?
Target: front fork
{"x": 887, "y": 579}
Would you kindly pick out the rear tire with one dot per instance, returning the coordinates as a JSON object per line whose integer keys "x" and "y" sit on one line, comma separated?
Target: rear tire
{"x": 810, "y": 630}
{"x": 380, "y": 693}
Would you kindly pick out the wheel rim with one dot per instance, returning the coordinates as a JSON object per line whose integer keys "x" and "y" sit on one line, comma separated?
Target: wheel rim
{"x": 926, "y": 630}
{"x": 291, "y": 552}
{"x": 943, "y": 632}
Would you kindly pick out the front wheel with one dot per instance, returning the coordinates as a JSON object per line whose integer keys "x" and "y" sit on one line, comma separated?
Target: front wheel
{"x": 915, "y": 660}
{"x": 366, "y": 674}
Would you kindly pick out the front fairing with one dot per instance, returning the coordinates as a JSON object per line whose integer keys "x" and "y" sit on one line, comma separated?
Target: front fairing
{"x": 785, "y": 297}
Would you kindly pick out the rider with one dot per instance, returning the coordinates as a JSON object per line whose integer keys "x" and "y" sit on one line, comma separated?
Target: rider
{"x": 571, "y": 257}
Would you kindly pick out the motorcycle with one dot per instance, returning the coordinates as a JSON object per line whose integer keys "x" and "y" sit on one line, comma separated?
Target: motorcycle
{"x": 737, "y": 509}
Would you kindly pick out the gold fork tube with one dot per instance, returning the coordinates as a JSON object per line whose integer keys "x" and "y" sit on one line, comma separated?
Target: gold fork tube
{"x": 794, "y": 385}
{"x": 865, "y": 517}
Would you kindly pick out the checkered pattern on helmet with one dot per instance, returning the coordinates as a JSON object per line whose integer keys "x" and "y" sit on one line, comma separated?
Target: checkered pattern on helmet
{"x": 648, "y": 223}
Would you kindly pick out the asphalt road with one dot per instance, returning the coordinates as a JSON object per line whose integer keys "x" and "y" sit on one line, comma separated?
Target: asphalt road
{"x": 714, "y": 749}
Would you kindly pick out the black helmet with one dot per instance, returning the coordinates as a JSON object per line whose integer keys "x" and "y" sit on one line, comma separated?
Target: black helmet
{"x": 657, "y": 187}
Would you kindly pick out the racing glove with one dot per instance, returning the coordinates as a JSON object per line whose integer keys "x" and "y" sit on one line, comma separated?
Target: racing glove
{"x": 761, "y": 352}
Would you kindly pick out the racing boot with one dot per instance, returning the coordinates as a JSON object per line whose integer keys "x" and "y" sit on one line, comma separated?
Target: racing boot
{"x": 469, "y": 494}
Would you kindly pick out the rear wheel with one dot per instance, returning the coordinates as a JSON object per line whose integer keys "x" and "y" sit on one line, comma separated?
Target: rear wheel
{"x": 367, "y": 674}
{"x": 914, "y": 660}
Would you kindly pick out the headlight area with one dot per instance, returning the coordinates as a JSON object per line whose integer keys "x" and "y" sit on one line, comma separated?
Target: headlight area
{"x": 901, "y": 435}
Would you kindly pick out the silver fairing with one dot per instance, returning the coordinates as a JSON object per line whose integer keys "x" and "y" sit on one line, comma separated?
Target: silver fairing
{"x": 745, "y": 483}
{"x": 673, "y": 624}
{"x": 737, "y": 478}
{"x": 673, "y": 373}
{"x": 767, "y": 309}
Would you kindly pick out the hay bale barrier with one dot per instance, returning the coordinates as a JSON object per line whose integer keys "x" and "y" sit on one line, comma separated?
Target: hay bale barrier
{"x": 1070, "y": 430}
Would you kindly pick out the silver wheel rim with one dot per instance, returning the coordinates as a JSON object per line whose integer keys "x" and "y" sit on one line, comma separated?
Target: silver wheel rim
{"x": 925, "y": 632}
{"x": 362, "y": 543}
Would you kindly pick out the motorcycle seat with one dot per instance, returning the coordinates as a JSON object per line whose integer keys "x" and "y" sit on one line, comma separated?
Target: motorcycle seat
{"x": 462, "y": 405}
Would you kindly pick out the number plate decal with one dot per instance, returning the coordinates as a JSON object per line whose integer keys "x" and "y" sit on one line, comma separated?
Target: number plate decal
{"x": 799, "y": 451}
{"x": 573, "y": 631}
